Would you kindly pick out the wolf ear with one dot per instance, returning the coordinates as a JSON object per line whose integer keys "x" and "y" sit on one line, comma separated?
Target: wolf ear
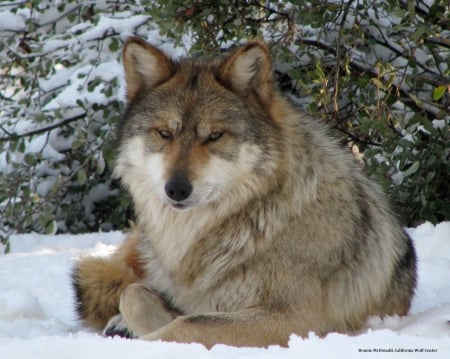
{"x": 145, "y": 66}
{"x": 249, "y": 69}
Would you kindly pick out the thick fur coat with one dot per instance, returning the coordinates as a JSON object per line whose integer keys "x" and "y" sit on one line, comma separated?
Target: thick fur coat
{"x": 253, "y": 222}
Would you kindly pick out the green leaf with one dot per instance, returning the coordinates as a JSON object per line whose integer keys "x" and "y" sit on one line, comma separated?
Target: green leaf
{"x": 28, "y": 221}
{"x": 22, "y": 146}
{"x": 77, "y": 144}
{"x": 45, "y": 219}
{"x": 30, "y": 159}
{"x": 428, "y": 126}
{"x": 439, "y": 92}
{"x": 81, "y": 104}
{"x": 72, "y": 17}
{"x": 8, "y": 246}
{"x": 51, "y": 227}
{"x": 114, "y": 45}
{"x": 412, "y": 169}
{"x": 81, "y": 176}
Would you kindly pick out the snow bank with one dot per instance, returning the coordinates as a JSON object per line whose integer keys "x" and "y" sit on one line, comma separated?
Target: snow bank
{"x": 37, "y": 318}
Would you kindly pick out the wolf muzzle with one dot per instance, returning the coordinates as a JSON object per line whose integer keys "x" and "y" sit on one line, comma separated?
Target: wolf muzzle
{"x": 178, "y": 189}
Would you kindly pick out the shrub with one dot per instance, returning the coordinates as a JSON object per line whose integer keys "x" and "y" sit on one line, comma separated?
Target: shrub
{"x": 376, "y": 71}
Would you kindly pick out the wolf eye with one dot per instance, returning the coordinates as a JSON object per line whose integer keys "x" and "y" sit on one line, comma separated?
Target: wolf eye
{"x": 165, "y": 134}
{"x": 214, "y": 136}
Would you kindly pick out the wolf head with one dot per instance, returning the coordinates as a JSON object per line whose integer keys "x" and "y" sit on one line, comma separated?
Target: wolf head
{"x": 197, "y": 131}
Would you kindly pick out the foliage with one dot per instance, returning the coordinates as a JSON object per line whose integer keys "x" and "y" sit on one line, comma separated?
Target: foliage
{"x": 60, "y": 101}
{"x": 378, "y": 71}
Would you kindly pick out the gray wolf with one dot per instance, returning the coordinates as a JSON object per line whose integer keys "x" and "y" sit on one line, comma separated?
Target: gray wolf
{"x": 253, "y": 222}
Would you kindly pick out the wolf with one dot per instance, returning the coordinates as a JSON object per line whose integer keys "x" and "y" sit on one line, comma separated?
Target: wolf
{"x": 253, "y": 222}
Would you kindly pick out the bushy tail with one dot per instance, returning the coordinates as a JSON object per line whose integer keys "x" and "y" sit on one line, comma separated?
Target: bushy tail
{"x": 99, "y": 283}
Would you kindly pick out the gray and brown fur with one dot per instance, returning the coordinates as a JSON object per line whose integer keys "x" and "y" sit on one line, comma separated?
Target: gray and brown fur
{"x": 253, "y": 222}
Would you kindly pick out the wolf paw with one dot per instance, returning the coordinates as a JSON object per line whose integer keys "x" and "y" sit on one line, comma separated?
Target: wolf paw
{"x": 118, "y": 327}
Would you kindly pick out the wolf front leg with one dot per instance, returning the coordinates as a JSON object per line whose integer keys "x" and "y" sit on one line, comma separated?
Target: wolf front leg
{"x": 142, "y": 311}
{"x": 250, "y": 327}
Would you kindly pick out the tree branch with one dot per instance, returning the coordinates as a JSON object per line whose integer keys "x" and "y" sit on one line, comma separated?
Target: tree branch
{"x": 359, "y": 67}
{"x": 38, "y": 131}
{"x": 425, "y": 14}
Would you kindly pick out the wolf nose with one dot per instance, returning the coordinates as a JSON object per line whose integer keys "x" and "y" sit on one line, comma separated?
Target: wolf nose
{"x": 178, "y": 189}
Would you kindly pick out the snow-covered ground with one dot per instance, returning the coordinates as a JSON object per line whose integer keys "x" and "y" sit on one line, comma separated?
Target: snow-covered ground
{"x": 37, "y": 319}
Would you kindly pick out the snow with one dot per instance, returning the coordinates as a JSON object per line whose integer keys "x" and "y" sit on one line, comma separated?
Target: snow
{"x": 11, "y": 22}
{"x": 37, "y": 319}
{"x": 79, "y": 80}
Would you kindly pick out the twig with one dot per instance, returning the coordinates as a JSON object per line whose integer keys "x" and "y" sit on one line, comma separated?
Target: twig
{"x": 358, "y": 66}
{"x": 42, "y": 129}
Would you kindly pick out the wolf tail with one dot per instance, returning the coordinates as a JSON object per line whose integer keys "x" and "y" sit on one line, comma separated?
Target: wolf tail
{"x": 99, "y": 282}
